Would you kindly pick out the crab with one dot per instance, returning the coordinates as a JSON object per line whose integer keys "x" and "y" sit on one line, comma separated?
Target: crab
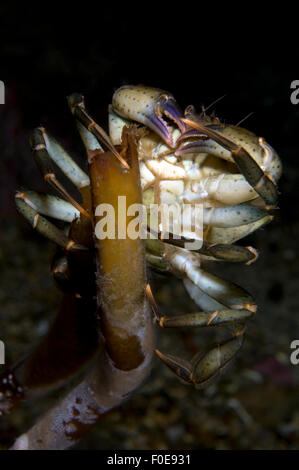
{"x": 184, "y": 158}
{"x": 194, "y": 158}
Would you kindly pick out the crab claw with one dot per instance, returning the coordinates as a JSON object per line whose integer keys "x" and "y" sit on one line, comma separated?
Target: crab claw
{"x": 151, "y": 107}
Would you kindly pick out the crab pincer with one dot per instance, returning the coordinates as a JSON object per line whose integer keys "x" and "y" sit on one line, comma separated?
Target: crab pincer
{"x": 152, "y": 107}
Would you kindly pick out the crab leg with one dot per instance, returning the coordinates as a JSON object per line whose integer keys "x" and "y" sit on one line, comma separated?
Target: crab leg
{"x": 200, "y": 372}
{"x": 204, "y": 301}
{"x": 49, "y": 205}
{"x": 215, "y": 360}
{"x": 223, "y": 252}
{"x": 88, "y": 139}
{"x": 253, "y": 173}
{"x": 116, "y": 125}
{"x": 61, "y": 274}
{"x": 44, "y": 227}
{"x": 227, "y": 216}
{"x": 271, "y": 160}
{"x": 63, "y": 160}
{"x": 202, "y": 319}
{"x": 43, "y": 162}
{"x": 264, "y": 155}
{"x": 187, "y": 265}
{"x": 232, "y": 216}
{"x": 233, "y": 234}
{"x": 77, "y": 106}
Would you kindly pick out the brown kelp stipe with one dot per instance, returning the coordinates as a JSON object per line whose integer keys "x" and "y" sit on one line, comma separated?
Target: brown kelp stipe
{"x": 126, "y": 338}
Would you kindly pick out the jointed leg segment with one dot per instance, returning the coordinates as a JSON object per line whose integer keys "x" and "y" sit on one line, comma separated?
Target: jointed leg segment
{"x": 254, "y": 174}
